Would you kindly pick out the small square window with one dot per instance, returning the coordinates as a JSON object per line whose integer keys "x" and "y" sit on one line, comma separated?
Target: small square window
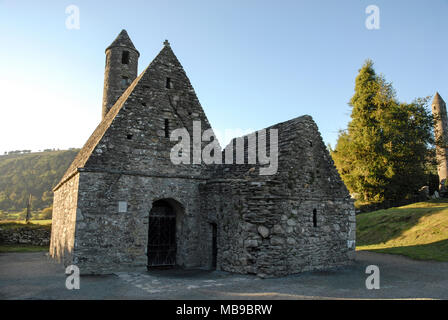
{"x": 125, "y": 81}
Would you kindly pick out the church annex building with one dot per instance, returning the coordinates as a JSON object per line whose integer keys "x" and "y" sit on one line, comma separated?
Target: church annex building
{"x": 123, "y": 204}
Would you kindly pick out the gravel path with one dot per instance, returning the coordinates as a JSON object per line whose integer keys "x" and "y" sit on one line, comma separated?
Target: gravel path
{"x": 34, "y": 276}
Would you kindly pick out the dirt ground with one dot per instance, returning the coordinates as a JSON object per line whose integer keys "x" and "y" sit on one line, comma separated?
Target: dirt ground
{"x": 34, "y": 276}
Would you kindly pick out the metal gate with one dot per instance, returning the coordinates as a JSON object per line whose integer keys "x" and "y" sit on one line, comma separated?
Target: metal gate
{"x": 162, "y": 235}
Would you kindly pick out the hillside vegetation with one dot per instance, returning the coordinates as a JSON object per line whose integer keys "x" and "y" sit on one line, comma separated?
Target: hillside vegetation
{"x": 31, "y": 173}
{"x": 418, "y": 231}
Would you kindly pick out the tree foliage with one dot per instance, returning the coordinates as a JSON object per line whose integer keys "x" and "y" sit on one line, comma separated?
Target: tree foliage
{"x": 383, "y": 154}
{"x": 31, "y": 173}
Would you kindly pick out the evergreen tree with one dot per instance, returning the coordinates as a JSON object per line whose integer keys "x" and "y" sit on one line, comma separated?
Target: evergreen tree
{"x": 383, "y": 153}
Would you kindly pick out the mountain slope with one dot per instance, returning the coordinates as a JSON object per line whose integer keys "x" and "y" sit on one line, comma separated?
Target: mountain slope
{"x": 32, "y": 173}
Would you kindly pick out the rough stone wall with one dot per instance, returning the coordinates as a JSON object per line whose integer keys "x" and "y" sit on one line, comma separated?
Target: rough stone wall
{"x": 36, "y": 236}
{"x": 272, "y": 236}
{"x": 108, "y": 240}
{"x": 64, "y": 220}
{"x": 265, "y": 223}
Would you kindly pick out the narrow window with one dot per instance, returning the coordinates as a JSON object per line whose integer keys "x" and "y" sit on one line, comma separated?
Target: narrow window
{"x": 125, "y": 57}
{"x": 129, "y": 136}
{"x": 314, "y": 218}
{"x": 168, "y": 84}
{"x": 167, "y": 128}
{"x": 124, "y": 82}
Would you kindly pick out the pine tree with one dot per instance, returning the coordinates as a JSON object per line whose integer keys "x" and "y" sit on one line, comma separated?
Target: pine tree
{"x": 382, "y": 154}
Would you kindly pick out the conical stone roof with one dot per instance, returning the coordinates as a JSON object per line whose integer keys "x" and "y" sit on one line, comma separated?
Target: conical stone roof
{"x": 437, "y": 100}
{"x": 123, "y": 40}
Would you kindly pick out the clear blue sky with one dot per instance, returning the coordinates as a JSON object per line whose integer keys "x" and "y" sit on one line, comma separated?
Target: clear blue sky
{"x": 252, "y": 63}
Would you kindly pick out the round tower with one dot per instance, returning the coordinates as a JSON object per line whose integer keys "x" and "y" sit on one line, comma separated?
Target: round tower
{"x": 441, "y": 136}
{"x": 120, "y": 71}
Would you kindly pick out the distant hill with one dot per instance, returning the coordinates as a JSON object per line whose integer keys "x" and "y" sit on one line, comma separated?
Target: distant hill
{"x": 31, "y": 173}
{"x": 418, "y": 230}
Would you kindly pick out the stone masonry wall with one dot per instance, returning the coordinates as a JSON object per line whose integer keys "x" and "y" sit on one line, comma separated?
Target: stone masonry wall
{"x": 114, "y": 72}
{"x": 273, "y": 236}
{"x": 64, "y": 221}
{"x": 108, "y": 240}
{"x": 265, "y": 223}
{"x": 36, "y": 236}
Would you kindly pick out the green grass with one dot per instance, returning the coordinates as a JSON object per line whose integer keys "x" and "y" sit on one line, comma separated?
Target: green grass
{"x": 20, "y": 215}
{"x": 418, "y": 231}
{"x": 34, "y": 224}
{"x": 9, "y": 215}
{"x": 22, "y": 248}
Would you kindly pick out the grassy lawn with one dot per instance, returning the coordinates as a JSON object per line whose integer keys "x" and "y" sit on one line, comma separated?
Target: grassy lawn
{"x": 34, "y": 224}
{"x": 21, "y": 248}
{"x": 418, "y": 231}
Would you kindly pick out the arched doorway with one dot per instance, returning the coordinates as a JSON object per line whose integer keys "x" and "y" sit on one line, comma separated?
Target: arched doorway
{"x": 162, "y": 235}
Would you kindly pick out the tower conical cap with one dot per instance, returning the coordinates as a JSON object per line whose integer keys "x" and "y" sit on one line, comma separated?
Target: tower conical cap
{"x": 123, "y": 40}
{"x": 437, "y": 100}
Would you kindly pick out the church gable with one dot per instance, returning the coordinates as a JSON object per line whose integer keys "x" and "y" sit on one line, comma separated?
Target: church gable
{"x": 304, "y": 165}
{"x": 307, "y": 167}
{"x": 134, "y": 135}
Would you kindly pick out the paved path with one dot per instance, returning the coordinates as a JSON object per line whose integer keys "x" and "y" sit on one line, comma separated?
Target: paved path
{"x": 33, "y": 276}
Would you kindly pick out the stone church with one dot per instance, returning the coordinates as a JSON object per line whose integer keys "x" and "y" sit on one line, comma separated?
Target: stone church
{"x": 124, "y": 205}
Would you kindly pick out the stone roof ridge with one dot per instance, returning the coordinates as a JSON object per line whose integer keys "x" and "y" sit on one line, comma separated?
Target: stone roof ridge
{"x": 289, "y": 134}
{"x": 85, "y": 152}
{"x": 293, "y": 121}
